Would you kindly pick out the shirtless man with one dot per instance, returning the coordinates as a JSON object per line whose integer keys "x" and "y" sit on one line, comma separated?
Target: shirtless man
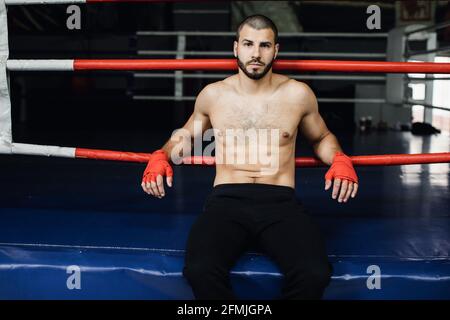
{"x": 250, "y": 206}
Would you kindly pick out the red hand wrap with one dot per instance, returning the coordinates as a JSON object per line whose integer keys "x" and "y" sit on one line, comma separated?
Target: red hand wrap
{"x": 157, "y": 165}
{"x": 342, "y": 168}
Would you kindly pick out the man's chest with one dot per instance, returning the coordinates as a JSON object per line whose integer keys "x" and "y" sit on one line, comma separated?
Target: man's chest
{"x": 255, "y": 114}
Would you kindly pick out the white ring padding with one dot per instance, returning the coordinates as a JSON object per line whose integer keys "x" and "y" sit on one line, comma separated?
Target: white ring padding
{"x": 5, "y": 147}
{"x": 15, "y": 2}
{"x": 5, "y": 103}
{"x": 40, "y": 150}
{"x": 40, "y": 65}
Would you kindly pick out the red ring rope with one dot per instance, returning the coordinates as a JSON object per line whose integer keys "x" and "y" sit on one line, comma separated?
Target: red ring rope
{"x": 230, "y": 64}
{"x": 371, "y": 160}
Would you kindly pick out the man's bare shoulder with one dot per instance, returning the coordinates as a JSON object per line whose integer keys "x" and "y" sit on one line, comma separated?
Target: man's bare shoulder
{"x": 209, "y": 95}
{"x": 299, "y": 92}
{"x": 215, "y": 89}
{"x": 280, "y": 79}
{"x": 298, "y": 88}
{"x": 292, "y": 87}
{"x": 229, "y": 83}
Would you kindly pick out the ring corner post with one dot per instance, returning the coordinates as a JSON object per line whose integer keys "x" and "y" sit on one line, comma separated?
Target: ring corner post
{"x": 5, "y": 102}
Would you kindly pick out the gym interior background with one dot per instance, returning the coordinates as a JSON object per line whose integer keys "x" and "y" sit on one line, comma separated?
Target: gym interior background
{"x": 57, "y": 213}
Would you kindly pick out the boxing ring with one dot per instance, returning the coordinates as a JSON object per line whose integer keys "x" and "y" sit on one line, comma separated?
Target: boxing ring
{"x": 100, "y": 237}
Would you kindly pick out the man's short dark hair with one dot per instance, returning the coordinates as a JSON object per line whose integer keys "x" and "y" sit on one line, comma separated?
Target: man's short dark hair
{"x": 258, "y": 22}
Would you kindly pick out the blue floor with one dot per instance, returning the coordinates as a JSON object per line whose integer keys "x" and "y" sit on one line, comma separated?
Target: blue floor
{"x": 57, "y": 215}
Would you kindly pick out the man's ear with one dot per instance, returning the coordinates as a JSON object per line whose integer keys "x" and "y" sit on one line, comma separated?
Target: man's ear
{"x": 235, "y": 45}
{"x": 277, "y": 48}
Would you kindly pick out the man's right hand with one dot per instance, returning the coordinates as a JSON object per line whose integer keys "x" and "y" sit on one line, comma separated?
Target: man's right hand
{"x": 158, "y": 166}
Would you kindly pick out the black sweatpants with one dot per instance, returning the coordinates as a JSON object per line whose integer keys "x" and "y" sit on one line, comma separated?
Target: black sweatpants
{"x": 240, "y": 216}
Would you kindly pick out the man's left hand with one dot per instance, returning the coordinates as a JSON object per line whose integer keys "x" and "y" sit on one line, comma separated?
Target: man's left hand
{"x": 343, "y": 177}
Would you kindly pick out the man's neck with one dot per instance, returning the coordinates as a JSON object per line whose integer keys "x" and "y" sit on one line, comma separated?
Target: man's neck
{"x": 251, "y": 86}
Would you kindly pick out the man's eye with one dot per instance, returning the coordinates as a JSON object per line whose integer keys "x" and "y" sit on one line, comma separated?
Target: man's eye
{"x": 247, "y": 44}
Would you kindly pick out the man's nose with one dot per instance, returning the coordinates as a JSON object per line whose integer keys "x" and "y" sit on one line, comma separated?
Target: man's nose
{"x": 256, "y": 52}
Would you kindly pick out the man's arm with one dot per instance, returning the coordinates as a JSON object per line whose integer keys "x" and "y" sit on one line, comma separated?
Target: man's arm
{"x": 326, "y": 147}
{"x": 314, "y": 129}
{"x": 199, "y": 119}
{"x": 158, "y": 165}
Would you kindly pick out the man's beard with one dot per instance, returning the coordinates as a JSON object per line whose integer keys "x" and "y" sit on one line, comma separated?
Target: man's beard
{"x": 254, "y": 76}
